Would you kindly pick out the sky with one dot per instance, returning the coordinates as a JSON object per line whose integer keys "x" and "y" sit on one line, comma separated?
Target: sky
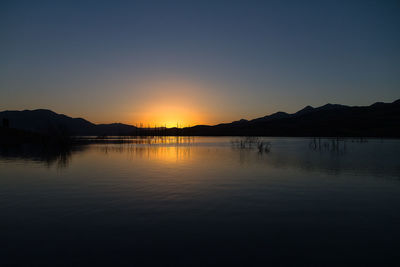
{"x": 196, "y": 62}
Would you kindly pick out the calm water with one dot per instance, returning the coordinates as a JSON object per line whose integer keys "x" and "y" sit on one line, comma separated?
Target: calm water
{"x": 202, "y": 202}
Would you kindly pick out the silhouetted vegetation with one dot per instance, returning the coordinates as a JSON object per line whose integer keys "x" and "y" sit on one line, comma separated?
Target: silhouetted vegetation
{"x": 328, "y": 144}
{"x": 251, "y": 142}
{"x": 334, "y": 144}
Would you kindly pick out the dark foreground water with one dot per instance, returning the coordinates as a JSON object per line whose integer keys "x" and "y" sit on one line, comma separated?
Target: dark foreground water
{"x": 202, "y": 202}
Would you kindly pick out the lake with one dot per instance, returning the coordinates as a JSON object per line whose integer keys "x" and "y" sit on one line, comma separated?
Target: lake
{"x": 201, "y": 201}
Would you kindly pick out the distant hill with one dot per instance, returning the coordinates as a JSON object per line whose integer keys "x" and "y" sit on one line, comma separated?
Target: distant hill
{"x": 377, "y": 120}
{"x": 47, "y": 121}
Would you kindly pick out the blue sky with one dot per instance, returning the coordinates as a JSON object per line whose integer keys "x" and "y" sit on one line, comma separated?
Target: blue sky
{"x": 196, "y": 61}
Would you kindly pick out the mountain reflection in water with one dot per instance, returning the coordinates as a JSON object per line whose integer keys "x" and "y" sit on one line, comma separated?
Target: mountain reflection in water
{"x": 201, "y": 201}
{"x": 376, "y": 157}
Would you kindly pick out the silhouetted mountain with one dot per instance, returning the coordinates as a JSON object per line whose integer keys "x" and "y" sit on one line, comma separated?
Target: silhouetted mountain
{"x": 305, "y": 110}
{"x": 377, "y": 120}
{"x": 47, "y": 121}
{"x": 241, "y": 121}
{"x": 115, "y": 129}
{"x": 275, "y": 116}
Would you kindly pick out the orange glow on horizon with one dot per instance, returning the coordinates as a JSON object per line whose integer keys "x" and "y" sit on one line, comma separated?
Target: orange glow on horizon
{"x": 171, "y": 103}
{"x": 170, "y": 116}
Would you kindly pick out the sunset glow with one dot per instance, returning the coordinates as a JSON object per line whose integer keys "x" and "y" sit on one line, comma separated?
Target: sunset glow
{"x": 171, "y": 102}
{"x": 170, "y": 116}
{"x": 197, "y": 133}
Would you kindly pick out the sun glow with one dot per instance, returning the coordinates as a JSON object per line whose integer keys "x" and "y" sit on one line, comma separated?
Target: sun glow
{"x": 171, "y": 103}
{"x": 171, "y": 116}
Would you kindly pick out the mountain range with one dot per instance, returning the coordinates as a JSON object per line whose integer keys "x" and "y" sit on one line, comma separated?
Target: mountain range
{"x": 377, "y": 120}
{"x": 47, "y": 121}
